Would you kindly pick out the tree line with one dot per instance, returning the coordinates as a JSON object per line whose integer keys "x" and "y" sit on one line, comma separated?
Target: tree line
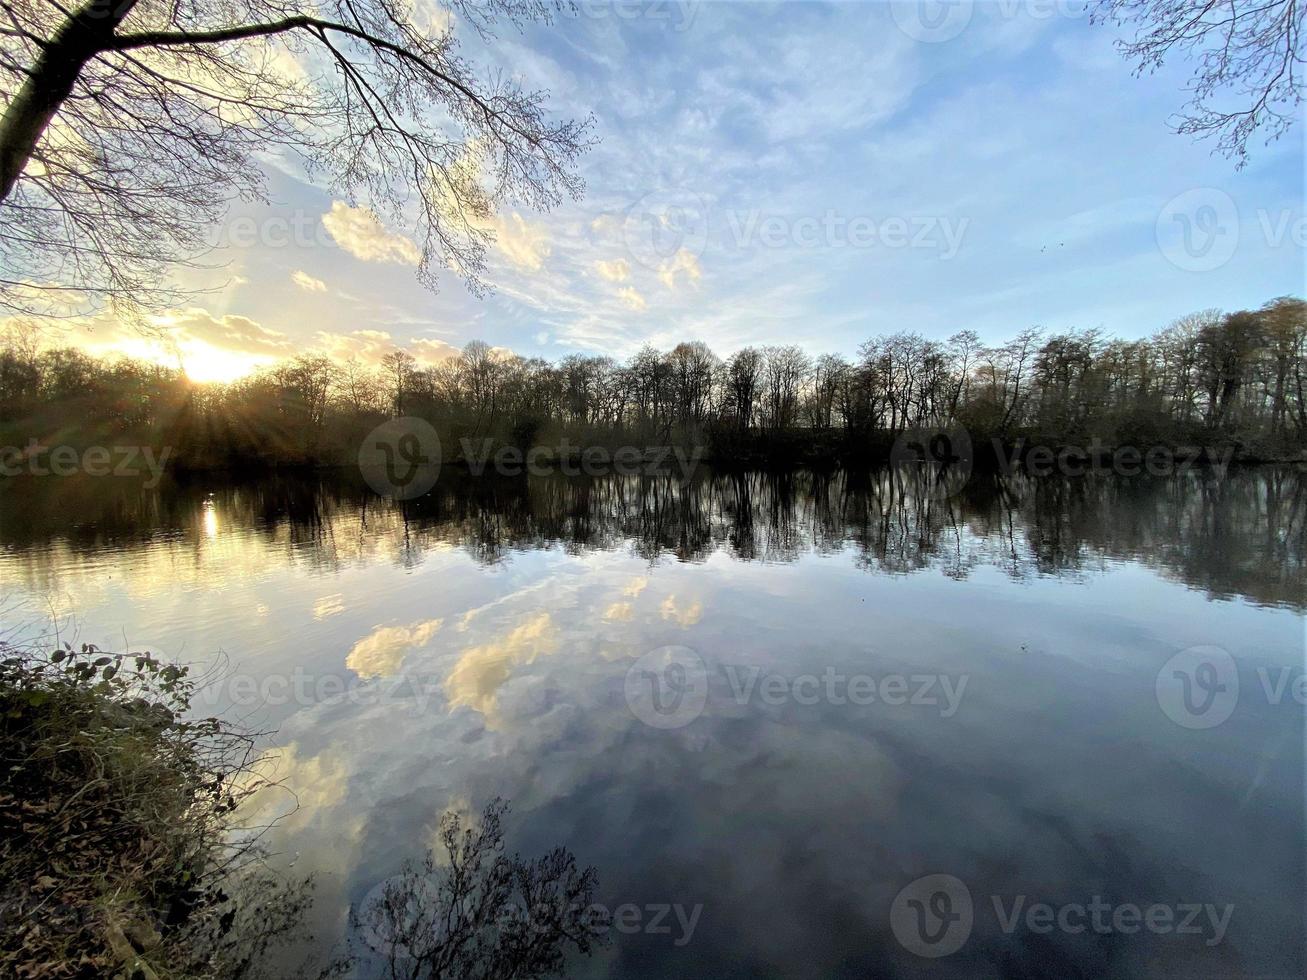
{"x": 1208, "y": 378}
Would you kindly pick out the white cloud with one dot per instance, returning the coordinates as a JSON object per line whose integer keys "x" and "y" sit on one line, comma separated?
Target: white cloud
{"x": 618, "y": 270}
{"x": 431, "y": 18}
{"x": 329, "y": 605}
{"x": 307, "y": 282}
{"x": 207, "y": 347}
{"x": 381, "y": 653}
{"x": 367, "y": 345}
{"x": 432, "y": 350}
{"x": 632, "y": 298}
{"x": 620, "y": 612}
{"x": 683, "y": 615}
{"x": 370, "y": 346}
{"x": 683, "y": 261}
{"x": 230, "y": 332}
{"x": 482, "y": 670}
{"x": 358, "y": 232}
{"x": 524, "y": 245}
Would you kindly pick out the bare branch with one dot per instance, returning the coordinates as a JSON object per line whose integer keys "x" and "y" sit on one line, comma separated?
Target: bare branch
{"x": 131, "y": 127}
{"x": 1249, "y": 62}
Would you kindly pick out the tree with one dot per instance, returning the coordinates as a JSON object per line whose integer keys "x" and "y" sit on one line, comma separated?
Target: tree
{"x": 398, "y": 367}
{"x": 1248, "y": 51}
{"x": 1225, "y": 352}
{"x": 785, "y": 368}
{"x": 479, "y": 371}
{"x": 649, "y": 379}
{"x": 1177, "y": 348}
{"x": 964, "y": 350}
{"x": 20, "y": 374}
{"x": 1284, "y": 322}
{"x": 693, "y": 366}
{"x": 828, "y": 373}
{"x": 743, "y": 380}
{"x": 356, "y": 385}
{"x": 131, "y": 124}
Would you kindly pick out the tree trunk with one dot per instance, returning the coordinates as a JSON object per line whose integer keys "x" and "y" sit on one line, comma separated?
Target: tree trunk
{"x": 83, "y": 35}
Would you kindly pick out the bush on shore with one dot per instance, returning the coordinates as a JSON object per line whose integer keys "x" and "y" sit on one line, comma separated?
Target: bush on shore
{"x": 118, "y": 851}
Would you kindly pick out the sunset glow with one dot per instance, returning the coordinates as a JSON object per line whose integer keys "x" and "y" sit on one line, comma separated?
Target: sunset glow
{"x": 618, "y": 490}
{"x": 199, "y": 361}
{"x": 207, "y": 364}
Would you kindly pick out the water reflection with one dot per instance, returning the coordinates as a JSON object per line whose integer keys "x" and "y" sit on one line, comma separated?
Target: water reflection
{"x": 479, "y": 642}
{"x": 1241, "y": 535}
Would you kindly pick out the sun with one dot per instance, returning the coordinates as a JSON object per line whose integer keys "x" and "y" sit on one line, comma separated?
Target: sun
{"x": 207, "y": 364}
{"x": 201, "y": 362}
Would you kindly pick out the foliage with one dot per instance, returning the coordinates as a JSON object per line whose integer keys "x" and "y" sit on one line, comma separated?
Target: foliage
{"x": 118, "y": 852}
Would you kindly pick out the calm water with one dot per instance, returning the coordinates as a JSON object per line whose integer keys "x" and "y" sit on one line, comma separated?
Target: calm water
{"x": 769, "y": 703}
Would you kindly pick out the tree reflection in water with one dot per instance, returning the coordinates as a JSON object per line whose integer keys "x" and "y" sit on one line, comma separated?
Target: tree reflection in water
{"x": 1238, "y": 534}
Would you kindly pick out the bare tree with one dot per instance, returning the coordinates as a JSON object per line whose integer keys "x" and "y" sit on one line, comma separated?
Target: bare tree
{"x": 356, "y": 385}
{"x": 1249, "y": 61}
{"x": 131, "y": 125}
{"x": 828, "y": 372}
{"x": 480, "y": 371}
{"x": 743, "y": 384}
{"x": 397, "y": 367}
{"x": 1284, "y": 323}
{"x": 1177, "y": 348}
{"x": 693, "y": 366}
{"x": 785, "y": 369}
{"x": 964, "y": 350}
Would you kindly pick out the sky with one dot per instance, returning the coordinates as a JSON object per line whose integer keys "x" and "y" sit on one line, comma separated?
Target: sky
{"x": 793, "y": 172}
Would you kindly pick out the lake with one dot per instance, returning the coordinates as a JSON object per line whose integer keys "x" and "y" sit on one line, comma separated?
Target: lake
{"x": 802, "y": 724}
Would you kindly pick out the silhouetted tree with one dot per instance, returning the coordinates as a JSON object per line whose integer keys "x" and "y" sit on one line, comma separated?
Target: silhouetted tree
{"x": 130, "y": 124}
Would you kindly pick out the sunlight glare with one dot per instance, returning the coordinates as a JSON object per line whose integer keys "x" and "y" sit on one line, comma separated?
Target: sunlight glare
{"x": 200, "y": 361}
{"x": 205, "y": 364}
{"x": 210, "y": 520}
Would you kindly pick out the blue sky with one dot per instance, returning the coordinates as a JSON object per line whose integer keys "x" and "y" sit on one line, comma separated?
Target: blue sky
{"x": 806, "y": 173}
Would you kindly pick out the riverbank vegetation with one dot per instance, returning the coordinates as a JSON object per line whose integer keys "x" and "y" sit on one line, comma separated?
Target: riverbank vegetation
{"x": 120, "y": 853}
{"x": 123, "y": 852}
{"x": 1211, "y": 379}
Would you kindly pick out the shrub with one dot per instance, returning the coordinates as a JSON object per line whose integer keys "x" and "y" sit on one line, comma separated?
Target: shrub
{"x": 117, "y": 851}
